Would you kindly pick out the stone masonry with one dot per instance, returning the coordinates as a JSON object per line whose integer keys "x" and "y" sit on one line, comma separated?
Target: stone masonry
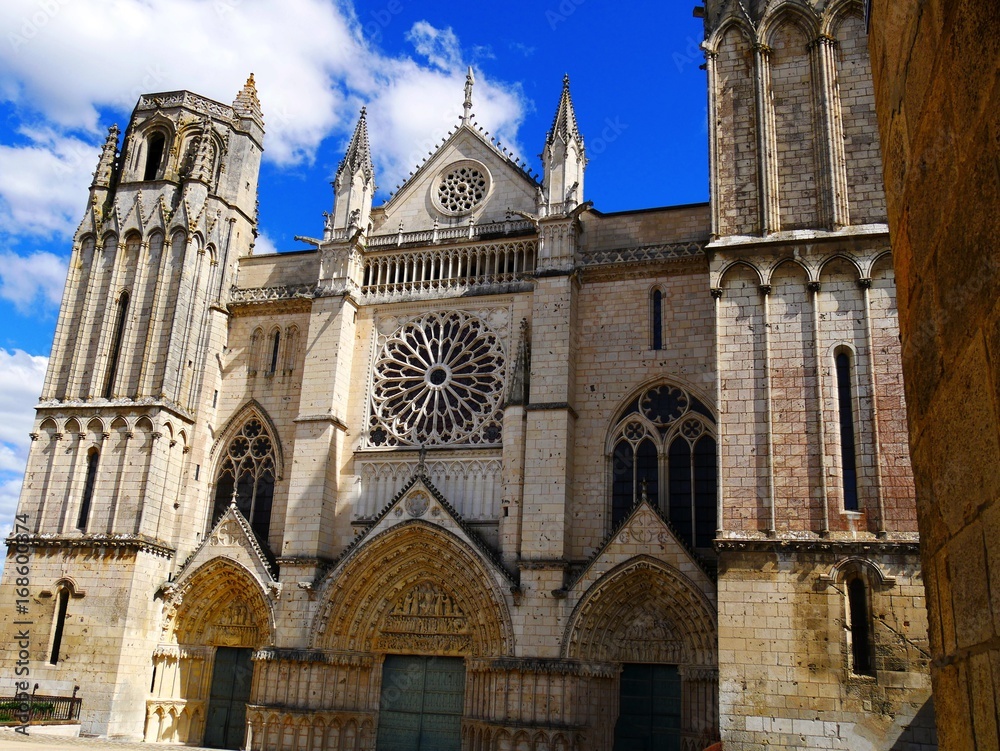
{"x": 485, "y": 460}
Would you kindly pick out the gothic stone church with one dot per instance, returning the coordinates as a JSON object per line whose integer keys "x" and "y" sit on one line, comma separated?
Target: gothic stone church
{"x": 487, "y": 468}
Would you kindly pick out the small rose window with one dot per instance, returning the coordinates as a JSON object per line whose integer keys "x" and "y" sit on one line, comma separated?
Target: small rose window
{"x": 462, "y": 188}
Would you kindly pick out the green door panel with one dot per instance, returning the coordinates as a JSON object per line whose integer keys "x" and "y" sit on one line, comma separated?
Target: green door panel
{"x": 649, "y": 715}
{"x": 421, "y": 704}
{"x": 232, "y": 675}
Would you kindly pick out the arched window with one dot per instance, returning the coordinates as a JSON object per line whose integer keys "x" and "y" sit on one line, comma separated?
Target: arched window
{"x": 116, "y": 344}
{"x": 154, "y": 155}
{"x": 845, "y": 401}
{"x": 62, "y": 604}
{"x": 656, "y": 319}
{"x": 663, "y": 448}
{"x": 861, "y": 646}
{"x": 246, "y": 477}
{"x": 275, "y": 345}
{"x": 93, "y": 459}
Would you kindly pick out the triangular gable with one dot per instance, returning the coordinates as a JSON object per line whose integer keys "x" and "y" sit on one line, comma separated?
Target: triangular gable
{"x": 231, "y": 538}
{"x": 511, "y": 189}
{"x": 645, "y": 533}
{"x": 420, "y": 500}
{"x": 134, "y": 221}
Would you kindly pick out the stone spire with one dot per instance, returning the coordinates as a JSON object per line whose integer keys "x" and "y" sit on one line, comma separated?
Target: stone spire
{"x": 358, "y": 157}
{"x": 247, "y": 104}
{"x": 563, "y": 160}
{"x": 354, "y": 185}
{"x": 470, "y": 81}
{"x": 564, "y": 124}
{"x": 106, "y": 164}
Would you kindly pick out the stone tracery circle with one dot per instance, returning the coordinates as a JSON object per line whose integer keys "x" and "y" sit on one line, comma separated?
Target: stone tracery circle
{"x": 438, "y": 380}
{"x": 462, "y": 188}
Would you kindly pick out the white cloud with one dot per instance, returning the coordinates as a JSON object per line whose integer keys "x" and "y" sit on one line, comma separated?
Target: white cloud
{"x": 439, "y": 46}
{"x": 263, "y": 246}
{"x": 43, "y": 185}
{"x": 21, "y": 379}
{"x": 23, "y": 280}
{"x": 10, "y": 492}
{"x": 65, "y": 62}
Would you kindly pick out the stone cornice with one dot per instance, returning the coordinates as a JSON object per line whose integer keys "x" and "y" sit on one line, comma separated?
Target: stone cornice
{"x": 138, "y": 543}
{"x": 117, "y": 406}
{"x": 540, "y": 665}
{"x": 818, "y": 546}
{"x": 323, "y": 657}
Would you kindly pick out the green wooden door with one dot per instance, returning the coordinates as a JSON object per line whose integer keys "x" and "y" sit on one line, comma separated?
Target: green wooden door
{"x": 232, "y": 674}
{"x": 421, "y": 705}
{"x": 649, "y": 715}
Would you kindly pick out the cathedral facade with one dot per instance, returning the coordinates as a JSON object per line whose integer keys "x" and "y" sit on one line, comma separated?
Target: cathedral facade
{"x": 487, "y": 468}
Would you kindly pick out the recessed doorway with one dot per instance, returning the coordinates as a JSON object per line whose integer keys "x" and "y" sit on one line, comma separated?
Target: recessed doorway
{"x": 649, "y": 714}
{"x": 232, "y": 675}
{"x": 421, "y": 704}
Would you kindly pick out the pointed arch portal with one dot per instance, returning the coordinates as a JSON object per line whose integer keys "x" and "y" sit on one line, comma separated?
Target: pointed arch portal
{"x": 203, "y": 671}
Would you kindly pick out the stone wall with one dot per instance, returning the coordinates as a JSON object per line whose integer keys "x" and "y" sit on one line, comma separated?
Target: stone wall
{"x": 936, "y": 66}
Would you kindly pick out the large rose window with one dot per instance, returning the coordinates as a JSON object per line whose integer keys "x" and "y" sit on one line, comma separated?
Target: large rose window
{"x": 438, "y": 380}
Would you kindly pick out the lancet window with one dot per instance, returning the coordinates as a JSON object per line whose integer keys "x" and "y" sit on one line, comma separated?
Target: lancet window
{"x": 114, "y": 355}
{"x": 246, "y": 477}
{"x": 663, "y": 448}
{"x": 154, "y": 156}
{"x": 93, "y": 459}
{"x": 656, "y": 319}
{"x": 861, "y": 646}
{"x": 848, "y": 454}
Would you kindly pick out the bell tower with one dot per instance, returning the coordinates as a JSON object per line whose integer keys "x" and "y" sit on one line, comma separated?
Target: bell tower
{"x": 121, "y": 430}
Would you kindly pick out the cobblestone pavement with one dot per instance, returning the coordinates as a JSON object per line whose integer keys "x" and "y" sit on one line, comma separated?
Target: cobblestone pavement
{"x": 12, "y": 741}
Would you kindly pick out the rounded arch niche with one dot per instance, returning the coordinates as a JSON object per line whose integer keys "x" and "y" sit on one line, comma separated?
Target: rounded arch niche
{"x": 643, "y": 611}
{"x": 415, "y": 589}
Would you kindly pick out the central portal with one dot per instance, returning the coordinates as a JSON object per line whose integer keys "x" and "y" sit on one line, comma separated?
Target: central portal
{"x": 649, "y": 717}
{"x": 421, "y": 704}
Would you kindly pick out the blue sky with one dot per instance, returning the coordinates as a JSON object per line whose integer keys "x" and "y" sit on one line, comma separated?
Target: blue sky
{"x": 68, "y": 70}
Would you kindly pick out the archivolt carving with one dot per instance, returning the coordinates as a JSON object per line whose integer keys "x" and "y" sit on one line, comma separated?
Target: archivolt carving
{"x": 414, "y": 588}
{"x": 643, "y": 611}
{"x": 220, "y": 605}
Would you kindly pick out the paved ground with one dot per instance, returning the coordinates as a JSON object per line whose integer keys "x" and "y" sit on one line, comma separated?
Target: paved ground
{"x": 12, "y": 741}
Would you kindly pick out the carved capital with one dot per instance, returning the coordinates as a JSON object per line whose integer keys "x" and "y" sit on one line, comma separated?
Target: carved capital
{"x": 130, "y": 434}
{"x": 865, "y": 282}
{"x": 765, "y": 289}
{"x": 716, "y": 293}
{"x": 814, "y": 286}
{"x": 33, "y": 436}
{"x": 824, "y": 40}
{"x": 105, "y": 436}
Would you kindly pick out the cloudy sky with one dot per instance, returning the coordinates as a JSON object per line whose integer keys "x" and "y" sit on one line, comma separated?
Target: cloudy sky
{"x": 71, "y": 68}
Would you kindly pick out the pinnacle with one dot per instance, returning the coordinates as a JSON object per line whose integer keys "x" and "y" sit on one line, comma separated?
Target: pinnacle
{"x": 247, "y": 103}
{"x": 359, "y": 154}
{"x": 564, "y": 124}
